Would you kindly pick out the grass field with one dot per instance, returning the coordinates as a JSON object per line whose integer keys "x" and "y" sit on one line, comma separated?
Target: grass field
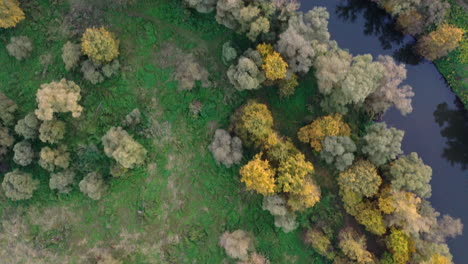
{"x": 175, "y": 208}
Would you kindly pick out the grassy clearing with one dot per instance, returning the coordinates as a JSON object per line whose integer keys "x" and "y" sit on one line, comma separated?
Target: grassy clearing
{"x": 174, "y": 209}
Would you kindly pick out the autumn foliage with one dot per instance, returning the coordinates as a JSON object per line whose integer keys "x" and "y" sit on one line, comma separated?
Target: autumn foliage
{"x": 57, "y": 97}
{"x": 258, "y": 175}
{"x": 315, "y": 133}
{"x": 100, "y": 45}
{"x": 440, "y": 42}
{"x": 10, "y": 13}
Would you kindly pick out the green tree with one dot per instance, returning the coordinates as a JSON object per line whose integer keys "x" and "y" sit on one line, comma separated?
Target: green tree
{"x": 62, "y": 181}
{"x": 339, "y": 151}
{"x": 24, "y": 153}
{"x": 20, "y": 47}
{"x": 19, "y": 185}
{"x": 361, "y": 177}
{"x": 118, "y": 144}
{"x": 93, "y": 185}
{"x": 7, "y": 109}
{"x": 382, "y": 144}
{"x": 28, "y": 127}
{"x": 52, "y": 131}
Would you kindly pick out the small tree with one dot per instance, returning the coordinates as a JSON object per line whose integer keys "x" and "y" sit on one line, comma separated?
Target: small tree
{"x": 258, "y": 175}
{"x": 188, "y": 72}
{"x": 118, "y": 144}
{"x": 52, "y": 131}
{"x": 306, "y": 198}
{"x": 60, "y": 96}
{"x": 274, "y": 66}
{"x": 399, "y": 244}
{"x": 19, "y": 185}
{"x": 7, "y": 109}
{"x": 237, "y": 244}
{"x": 62, "y": 181}
{"x": 253, "y": 123}
{"x": 315, "y": 133}
{"x": 20, "y": 47}
{"x": 288, "y": 85}
{"x": 28, "y": 126}
{"x": 361, "y": 177}
{"x": 10, "y": 13}
{"x": 317, "y": 239}
{"x": 292, "y": 173}
{"x": 49, "y": 158}
{"x": 369, "y": 215}
{"x": 338, "y": 151}
{"x": 229, "y": 53}
{"x": 99, "y": 45}
{"x": 382, "y": 144}
{"x": 202, "y": 6}
{"x": 71, "y": 54}
{"x": 440, "y": 42}
{"x": 226, "y": 149}
{"x": 353, "y": 246}
{"x": 93, "y": 185}
{"x": 246, "y": 74}
{"x": 24, "y": 153}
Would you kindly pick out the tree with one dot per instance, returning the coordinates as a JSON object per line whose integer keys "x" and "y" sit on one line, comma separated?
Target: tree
{"x": 229, "y": 53}
{"x": 445, "y": 227}
{"x": 10, "y": 13}
{"x": 317, "y": 239}
{"x": 52, "y": 131}
{"x": 253, "y": 123}
{"x": 50, "y": 159}
{"x": 58, "y": 97}
{"x": 246, "y": 75}
{"x": 228, "y": 12}
{"x": 226, "y": 149}
{"x": 288, "y": 85}
{"x": 7, "y": 109}
{"x": 6, "y": 140}
{"x": 409, "y": 173}
{"x": 277, "y": 206}
{"x": 331, "y": 69}
{"x": 411, "y": 22}
{"x": 399, "y": 244}
{"x": 28, "y": 126}
{"x": 132, "y": 119}
{"x": 62, "y": 181}
{"x": 361, "y": 177}
{"x": 440, "y": 42}
{"x": 188, "y": 72}
{"x": 353, "y": 246}
{"x": 406, "y": 215}
{"x": 330, "y": 125}
{"x": 19, "y": 185}
{"x": 20, "y": 47}
{"x": 382, "y": 144}
{"x": 292, "y": 173}
{"x": 71, "y": 54}
{"x": 118, "y": 144}
{"x": 202, "y": 6}
{"x": 258, "y": 175}
{"x": 273, "y": 65}
{"x": 99, "y": 45}
{"x": 306, "y": 198}
{"x": 24, "y": 153}
{"x": 339, "y": 151}
{"x": 368, "y": 215}
{"x": 390, "y": 93}
{"x": 237, "y": 244}
{"x": 434, "y": 11}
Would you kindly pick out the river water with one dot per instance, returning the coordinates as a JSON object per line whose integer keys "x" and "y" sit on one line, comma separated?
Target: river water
{"x": 437, "y": 129}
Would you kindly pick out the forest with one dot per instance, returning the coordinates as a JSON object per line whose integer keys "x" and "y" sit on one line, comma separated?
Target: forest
{"x": 213, "y": 131}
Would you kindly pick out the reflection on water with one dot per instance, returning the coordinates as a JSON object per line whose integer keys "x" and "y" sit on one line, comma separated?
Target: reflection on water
{"x": 405, "y": 54}
{"x": 455, "y": 130}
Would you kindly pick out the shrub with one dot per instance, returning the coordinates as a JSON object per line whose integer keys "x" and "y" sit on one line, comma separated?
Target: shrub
{"x": 353, "y": 246}
{"x": 202, "y": 6}
{"x": 52, "y": 131}
{"x": 229, "y": 53}
{"x": 71, "y": 54}
{"x": 288, "y": 85}
{"x": 319, "y": 242}
{"x": 246, "y": 74}
{"x": 93, "y": 185}
{"x": 62, "y": 181}
{"x": 99, "y": 45}
{"x": 7, "y": 109}
{"x": 237, "y": 244}
{"x": 19, "y": 185}
{"x": 188, "y": 72}
{"x": 369, "y": 216}
{"x": 226, "y": 149}
{"x": 258, "y": 175}
{"x": 20, "y": 47}
{"x": 10, "y": 13}
{"x": 132, "y": 119}
{"x": 24, "y": 153}
{"x": 28, "y": 126}
{"x": 253, "y": 123}
{"x": 382, "y": 144}
{"x": 50, "y": 159}
{"x": 315, "y": 133}
{"x": 361, "y": 177}
{"x": 339, "y": 151}
{"x": 118, "y": 144}
{"x": 60, "y": 96}
{"x": 440, "y": 42}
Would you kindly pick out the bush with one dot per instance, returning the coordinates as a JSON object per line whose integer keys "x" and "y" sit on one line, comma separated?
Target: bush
{"x": 62, "y": 181}
{"x": 10, "y": 13}
{"x": 20, "y": 47}
{"x": 99, "y": 45}
{"x": 353, "y": 246}
{"x": 246, "y": 75}
{"x": 382, "y": 144}
{"x": 58, "y": 97}
{"x": 202, "y": 6}
{"x": 28, "y": 126}
{"x": 96, "y": 73}
{"x": 132, "y": 119}
{"x": 52, "y": 131}
{"x": 237, "y": 244}
{"x": 440, "y": 42}
{"x": 71, "y": 54}
{"x": 229, "y": 53}
{"x": 50, "y": 159}
{"x": 118, "y": 144}
{"x": 24, "y": 153}
{"x": 93, "y": 185}
{"x": 188, "y": 72}
{"x": 19, "y": 185}
{"x": 7, "y": 109}
{"x": 319, "y": 242}
{"x": 288, "y": 85}
{"x": 339, "y": 151}
{"x": 226, "y": 149}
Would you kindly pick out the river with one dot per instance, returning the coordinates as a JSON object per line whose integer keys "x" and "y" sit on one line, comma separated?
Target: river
{"x": 437, "y": 129}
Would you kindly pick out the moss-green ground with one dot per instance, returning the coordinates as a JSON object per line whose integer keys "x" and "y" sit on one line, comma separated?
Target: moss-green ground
{"x": 174, "y": 209}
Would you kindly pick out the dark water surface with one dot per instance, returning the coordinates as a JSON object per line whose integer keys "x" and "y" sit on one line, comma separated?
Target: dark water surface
{"x": 437, "y": 129}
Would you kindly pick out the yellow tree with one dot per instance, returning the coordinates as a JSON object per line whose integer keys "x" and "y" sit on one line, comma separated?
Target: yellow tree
{"x": 400, "y": 245}
{"x": 361, "y": 177}
{"x": 253, "y": 123}
{"x": 330, "y": 125}
{"x": 440, "y": 42}
{"x": 258, "y": 175}
{"x": 306, "y": 198}
{"x": 10, "y": 13}
{"x": 100, "y": 45}
{"x": 273, "y": 64}
{"x": 292, "y": 173}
